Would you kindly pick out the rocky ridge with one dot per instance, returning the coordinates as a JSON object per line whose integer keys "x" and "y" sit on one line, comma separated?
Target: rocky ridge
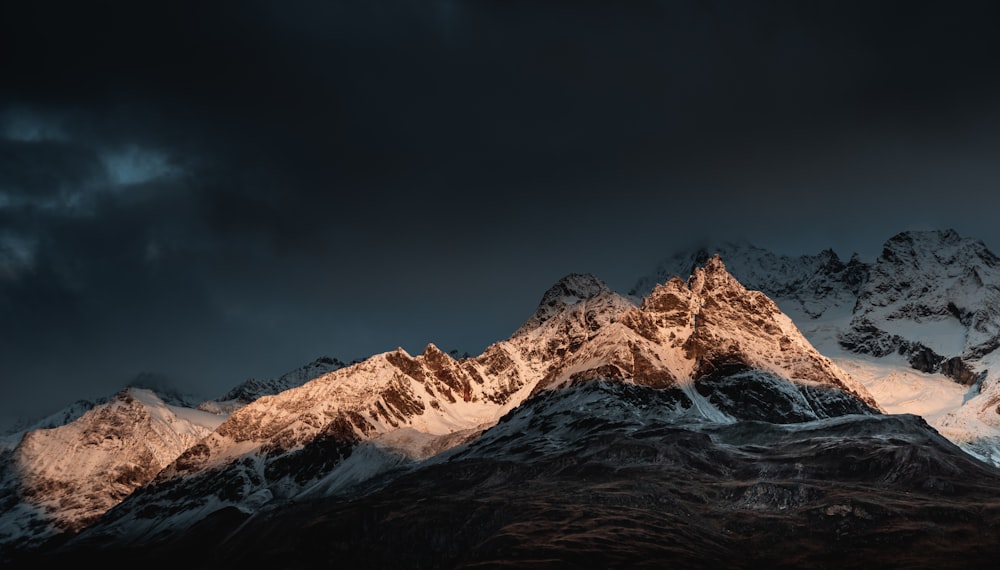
{"x": 703, "y": 342}
{"x": 253, "y": 389}
{"x": 392, "y": 409}
{"x": 930, "y": 300}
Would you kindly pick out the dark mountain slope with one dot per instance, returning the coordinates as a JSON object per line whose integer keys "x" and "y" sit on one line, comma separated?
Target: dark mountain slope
{"x": 627, "y": 483}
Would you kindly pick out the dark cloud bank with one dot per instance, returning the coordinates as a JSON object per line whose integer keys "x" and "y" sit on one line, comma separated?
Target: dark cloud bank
{"x": 204, "y": 192}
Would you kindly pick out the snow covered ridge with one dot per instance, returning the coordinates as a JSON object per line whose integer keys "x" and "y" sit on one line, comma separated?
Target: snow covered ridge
{"x": 61, "y": 473}
{"x": 939, "y": 290}
{"x": 63, "y": 478}
{"x": 809, "y": 284}
{"x": 411, "y": 407}
{"x": 927, "y": 308}
{"x": 710, "y": 326}
{"x": 940, "y": 293}
{"x": 252, "y": 389}
{"x": 718, "y": 350}
{"x": 932, "y": 296}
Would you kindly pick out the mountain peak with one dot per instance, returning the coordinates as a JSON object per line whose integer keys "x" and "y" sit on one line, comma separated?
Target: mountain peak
{"x": 573, "y": 288}
{"x": 708, "y": 279}
{"x": 713, "y": 275}
{"x": 69, "y": 475}
{"x": 936, "y": 247}
{"x": 703, "y": 332}
{"x": 934, "y": 296}
{"x": 945, "y": 236}
{"x": 570, "y": 291}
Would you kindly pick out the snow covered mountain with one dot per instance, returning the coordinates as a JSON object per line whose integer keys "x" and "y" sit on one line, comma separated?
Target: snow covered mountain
{"x": 59, "y": 474}
{"x": 61, "y": 479}
{"x": 705, "y": 335}
{"x": 696, "y": 408}
{"x": 919, "y": 326}
{"x": 714, "y": 352}
{"x": 934, "y": 298}
{"x": 697, "y": 429}
{"x": 807, "y": 285}
{"x": 388, "y": 411}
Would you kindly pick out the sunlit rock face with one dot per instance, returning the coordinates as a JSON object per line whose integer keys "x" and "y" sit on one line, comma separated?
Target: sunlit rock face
{"x": 62, "y": 479}
{"x": 697, "y": 333}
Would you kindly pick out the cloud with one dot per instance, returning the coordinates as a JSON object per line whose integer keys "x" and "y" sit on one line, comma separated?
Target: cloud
{"x": 208, "y": 194}
{"x": 47, "y": 174}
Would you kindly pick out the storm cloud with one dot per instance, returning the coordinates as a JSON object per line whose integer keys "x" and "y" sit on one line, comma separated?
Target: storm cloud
{"x": 208, "y": 191}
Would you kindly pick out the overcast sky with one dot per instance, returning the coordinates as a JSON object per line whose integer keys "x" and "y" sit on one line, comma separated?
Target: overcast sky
{"x": 210, "y": 191}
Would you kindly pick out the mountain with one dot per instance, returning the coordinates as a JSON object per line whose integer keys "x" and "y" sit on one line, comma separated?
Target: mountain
{"x": 699, "y": 336}
{"x": 59, "y": 474}
{"x": 61, "y": 479}
{"x": 806, "y": 285}
{"x": 934, "y": 297}
{"x": 707, "y": 351}
{"x": 386, "y": 412}
{"x": 693, "y": 424}
{"x": 919, "y": 325}
{"x": 607, "y": 475}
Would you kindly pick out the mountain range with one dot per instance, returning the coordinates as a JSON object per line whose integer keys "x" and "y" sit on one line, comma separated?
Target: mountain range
{"x": 736, "y": 407}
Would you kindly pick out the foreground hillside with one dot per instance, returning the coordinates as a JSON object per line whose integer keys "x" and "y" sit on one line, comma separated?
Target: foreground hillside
{"x": 612, "y": 475}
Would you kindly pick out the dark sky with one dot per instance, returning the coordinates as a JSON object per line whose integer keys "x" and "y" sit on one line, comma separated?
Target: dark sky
{"x": 204, "y": 192}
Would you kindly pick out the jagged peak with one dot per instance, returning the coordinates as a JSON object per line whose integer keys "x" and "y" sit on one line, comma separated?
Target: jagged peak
{"x": 946, "y": 236}
{"x": 433, "y": 353}
{"x": 708, "y": 279}
{"x": 913, "y": 241}
{"x": 570, "y": 291}
{"x": 739, "y": 248}
{"x": 829, "y": 258}
{"x": 713, "y": 276}
{"x": 573, "y": 288}
{"x": 699, "y": 331}
{"x": 925, "y": 248}
{"x": 326, "y": 361}
{"x": 684, "y": 263}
